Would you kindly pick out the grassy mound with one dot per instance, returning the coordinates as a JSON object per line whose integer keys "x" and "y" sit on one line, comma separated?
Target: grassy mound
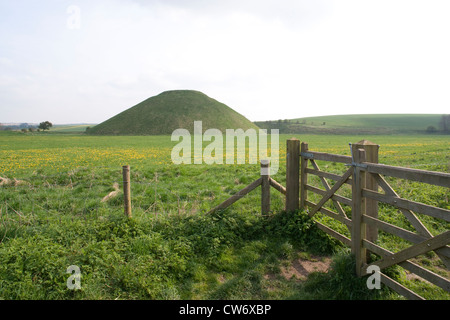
{"x": 170, "y": 110}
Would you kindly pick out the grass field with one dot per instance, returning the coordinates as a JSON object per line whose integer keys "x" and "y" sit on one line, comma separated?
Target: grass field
{"x": 52, "y": 216}
{"x": 406, "y": 122}
{"x": 70, "y": 128}
{"x": 371, "y": 124}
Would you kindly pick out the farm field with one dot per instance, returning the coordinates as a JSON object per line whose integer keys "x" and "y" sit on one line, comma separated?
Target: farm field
{"x": 52, "y": 216}
{"x": 71, "y": 128}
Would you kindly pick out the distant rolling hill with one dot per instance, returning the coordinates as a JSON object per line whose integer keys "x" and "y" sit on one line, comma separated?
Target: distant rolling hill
{"x": 70, "y": 128}
{"x": 170, "y": 110}
{"x": 357, "y": 124}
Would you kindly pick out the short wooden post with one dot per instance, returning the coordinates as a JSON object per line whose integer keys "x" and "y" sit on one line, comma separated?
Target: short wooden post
{"x": 371, "y": 206}
{"x": 126, "y": 190}
{"x": 358, "y": 210}
{"x": 265, "y": 187}
{"x": 303, "y": 176}
{"x": 292, "y": 174}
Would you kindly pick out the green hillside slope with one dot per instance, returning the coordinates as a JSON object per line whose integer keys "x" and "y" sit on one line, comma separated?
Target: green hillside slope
{"x": 357, "y": 123}
{"x": 171, "y": 110}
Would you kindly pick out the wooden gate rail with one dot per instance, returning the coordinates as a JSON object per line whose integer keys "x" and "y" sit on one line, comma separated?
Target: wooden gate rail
{"x": 431, "y": 177}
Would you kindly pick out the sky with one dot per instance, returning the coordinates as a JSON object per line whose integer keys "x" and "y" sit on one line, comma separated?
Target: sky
{"x": 86, "y": 61}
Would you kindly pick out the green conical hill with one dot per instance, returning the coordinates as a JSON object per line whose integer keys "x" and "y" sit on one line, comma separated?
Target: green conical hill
{"x": 170, "y": 110}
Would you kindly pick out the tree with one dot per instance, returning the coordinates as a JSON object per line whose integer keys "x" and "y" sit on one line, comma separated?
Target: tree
{"x": 431, "y": 129}
{"x": 45, "y": 125}
{"x": 444, "y": 124}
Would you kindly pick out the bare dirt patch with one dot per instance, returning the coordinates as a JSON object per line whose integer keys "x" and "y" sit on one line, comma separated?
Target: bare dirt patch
{"x": 300, "y": 268}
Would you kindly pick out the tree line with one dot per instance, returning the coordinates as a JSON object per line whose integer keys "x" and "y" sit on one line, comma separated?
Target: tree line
{"x": 46, "y": 125}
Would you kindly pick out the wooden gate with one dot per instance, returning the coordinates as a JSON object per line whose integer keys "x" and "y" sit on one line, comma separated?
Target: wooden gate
{"x": 423, "y": 240}
{"x": 328, "y": 193}
{"x": 365, "y": 176}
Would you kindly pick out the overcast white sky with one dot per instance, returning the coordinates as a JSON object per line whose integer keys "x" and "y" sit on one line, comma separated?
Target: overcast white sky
{"x": 85, "y": 61}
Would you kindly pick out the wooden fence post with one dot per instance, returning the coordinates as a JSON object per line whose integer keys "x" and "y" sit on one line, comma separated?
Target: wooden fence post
{"x": 292, "y": 174}
{"x": 303, "y": 176}
{"x": 265, "y": 187}
{"x": 358, "y": 210}
{"x": 126, "y": 190}
{"x": 371, "y": 206}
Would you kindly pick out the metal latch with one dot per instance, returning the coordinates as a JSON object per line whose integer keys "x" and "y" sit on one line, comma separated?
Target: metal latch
{"x": 354, "y": 164}
{"x": 307, "y": 155}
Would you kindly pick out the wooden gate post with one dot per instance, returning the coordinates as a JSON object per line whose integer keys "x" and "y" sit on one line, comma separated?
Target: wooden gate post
{"x": 126, "y": 190}
{"x": 303, "y": 176}
{"x": 292, "y": 174}
{"x": 265, "y": 187}
{"x": 358, "y": 210}
{"x": 371, "y": 206}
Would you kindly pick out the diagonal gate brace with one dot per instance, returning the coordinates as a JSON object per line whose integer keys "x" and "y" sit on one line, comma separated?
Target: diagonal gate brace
{"x": 415, "y": 250}
{"x": 330, "y": 192}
